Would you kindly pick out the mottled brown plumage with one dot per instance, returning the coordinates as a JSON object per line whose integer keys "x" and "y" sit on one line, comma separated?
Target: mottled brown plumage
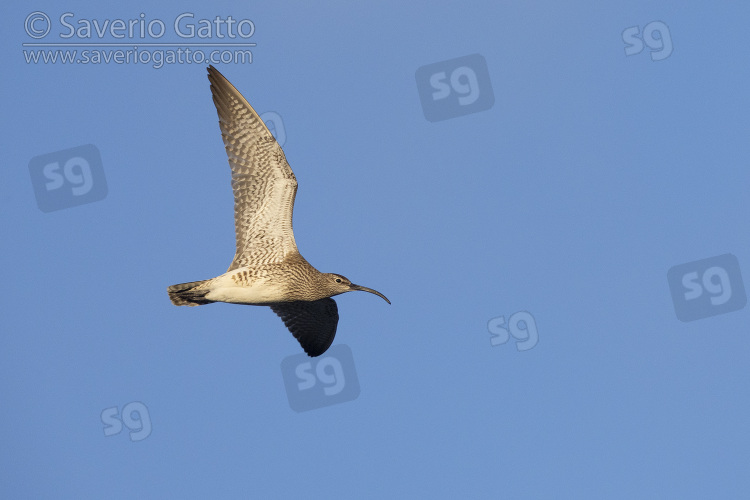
{"x": 267, "y": 268}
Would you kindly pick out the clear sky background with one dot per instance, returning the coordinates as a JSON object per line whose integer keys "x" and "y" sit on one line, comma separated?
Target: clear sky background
{"x": 591, "y": 174}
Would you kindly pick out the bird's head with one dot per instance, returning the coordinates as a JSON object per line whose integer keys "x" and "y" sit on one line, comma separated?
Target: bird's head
{"x": 336, "y": 284}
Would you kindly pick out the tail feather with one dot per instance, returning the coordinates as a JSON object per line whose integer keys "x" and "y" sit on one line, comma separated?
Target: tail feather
{"x": 189, "y": 294}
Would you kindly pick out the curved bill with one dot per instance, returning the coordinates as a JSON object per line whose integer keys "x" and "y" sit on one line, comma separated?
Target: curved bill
{"x": 365, "y": 289}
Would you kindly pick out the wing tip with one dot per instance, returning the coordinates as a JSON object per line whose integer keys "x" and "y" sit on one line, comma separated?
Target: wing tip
{"x": 221, "y": 88}
{"x": 316, "y": 338}
{"x": 214, "y": 76}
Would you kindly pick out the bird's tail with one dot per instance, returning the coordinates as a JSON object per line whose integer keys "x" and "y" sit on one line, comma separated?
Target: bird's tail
{"x": 189, "y": 294}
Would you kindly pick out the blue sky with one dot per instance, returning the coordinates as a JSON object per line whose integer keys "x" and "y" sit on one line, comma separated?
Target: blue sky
{"x": 595, "y": 207}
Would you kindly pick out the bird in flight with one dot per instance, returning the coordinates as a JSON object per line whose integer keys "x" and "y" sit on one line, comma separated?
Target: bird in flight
{"x": 267, "y": 268}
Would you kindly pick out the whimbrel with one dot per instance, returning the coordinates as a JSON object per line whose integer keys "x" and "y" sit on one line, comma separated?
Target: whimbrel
{"x": 267, "y": 268}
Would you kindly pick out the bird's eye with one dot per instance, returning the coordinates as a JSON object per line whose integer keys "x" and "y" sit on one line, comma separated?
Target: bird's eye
{"x": 338, "y": 280}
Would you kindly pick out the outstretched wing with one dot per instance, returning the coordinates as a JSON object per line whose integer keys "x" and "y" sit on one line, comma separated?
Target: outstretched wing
{"x": 263, "y": 182}
{"x": 312, "y": 323}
